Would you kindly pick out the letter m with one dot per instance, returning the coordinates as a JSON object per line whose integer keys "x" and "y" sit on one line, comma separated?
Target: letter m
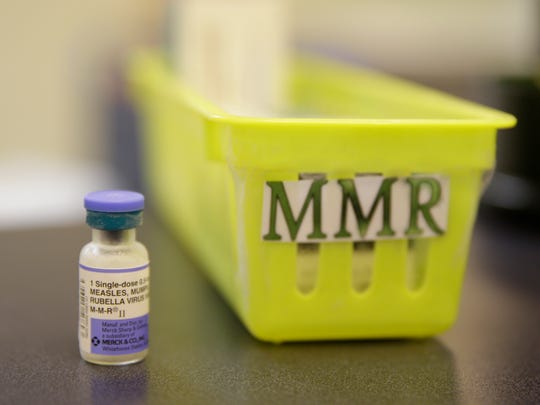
{"x": 350, "y": 194}
{"x": 279, "y": 198}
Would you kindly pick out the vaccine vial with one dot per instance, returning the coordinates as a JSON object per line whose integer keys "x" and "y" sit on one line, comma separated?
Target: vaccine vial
{"x": 113, "y": 281}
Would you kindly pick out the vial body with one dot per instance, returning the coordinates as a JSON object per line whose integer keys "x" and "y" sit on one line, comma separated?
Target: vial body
{"x": 113, "y": 298}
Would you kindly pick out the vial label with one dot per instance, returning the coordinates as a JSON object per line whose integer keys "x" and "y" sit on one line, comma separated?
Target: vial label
{"x": 113, "y": 310}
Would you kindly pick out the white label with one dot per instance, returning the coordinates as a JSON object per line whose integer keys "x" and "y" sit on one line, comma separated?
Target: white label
{"x": 113, "y": 310}
{"x": 363, "y": 208}
{"x": 233, "y": 52}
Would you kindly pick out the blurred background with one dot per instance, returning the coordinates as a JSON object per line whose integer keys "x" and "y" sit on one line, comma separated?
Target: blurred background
{"x": 67, "y": 127}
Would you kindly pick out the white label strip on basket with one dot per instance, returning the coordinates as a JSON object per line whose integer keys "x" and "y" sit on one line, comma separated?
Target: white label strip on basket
{"x": 363, "y": 208}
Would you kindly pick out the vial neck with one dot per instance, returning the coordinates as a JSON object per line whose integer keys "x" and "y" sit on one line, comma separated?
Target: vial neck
{"x": 122, "y": 237}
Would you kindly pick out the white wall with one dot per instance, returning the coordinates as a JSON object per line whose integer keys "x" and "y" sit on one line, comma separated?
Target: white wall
{"x": 57, "y": 64}
{"x": 56, "y": 60}
{"x": 427, "y": 37}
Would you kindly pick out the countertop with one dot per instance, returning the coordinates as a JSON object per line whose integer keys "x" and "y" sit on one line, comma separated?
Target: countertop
{"x": 200, "y": 353}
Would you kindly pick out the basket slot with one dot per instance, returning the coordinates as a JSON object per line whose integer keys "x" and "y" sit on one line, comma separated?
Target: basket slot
{"x": 363, "y": 256}
{"x": 417, "y": 256}
{"x": 307, "y": 264}
{"x": 362, "y": 265}
{"x": 307, "y": 254}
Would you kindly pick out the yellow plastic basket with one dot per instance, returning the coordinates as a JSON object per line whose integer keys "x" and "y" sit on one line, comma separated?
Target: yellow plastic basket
{"x": 206, "y": 171}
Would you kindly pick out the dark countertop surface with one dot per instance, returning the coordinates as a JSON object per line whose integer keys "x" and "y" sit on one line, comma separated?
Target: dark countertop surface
{"x": 201, "y": 353}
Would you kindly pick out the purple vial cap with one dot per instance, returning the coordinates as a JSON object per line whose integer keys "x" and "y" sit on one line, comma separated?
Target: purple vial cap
{"x": 114, "y": 201}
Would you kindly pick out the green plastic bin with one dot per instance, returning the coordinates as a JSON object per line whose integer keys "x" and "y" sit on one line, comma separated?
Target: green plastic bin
{"x": 208, "y": 172}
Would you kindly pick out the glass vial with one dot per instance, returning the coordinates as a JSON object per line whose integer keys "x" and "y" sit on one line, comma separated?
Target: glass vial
{"x": 113, "y": 281}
